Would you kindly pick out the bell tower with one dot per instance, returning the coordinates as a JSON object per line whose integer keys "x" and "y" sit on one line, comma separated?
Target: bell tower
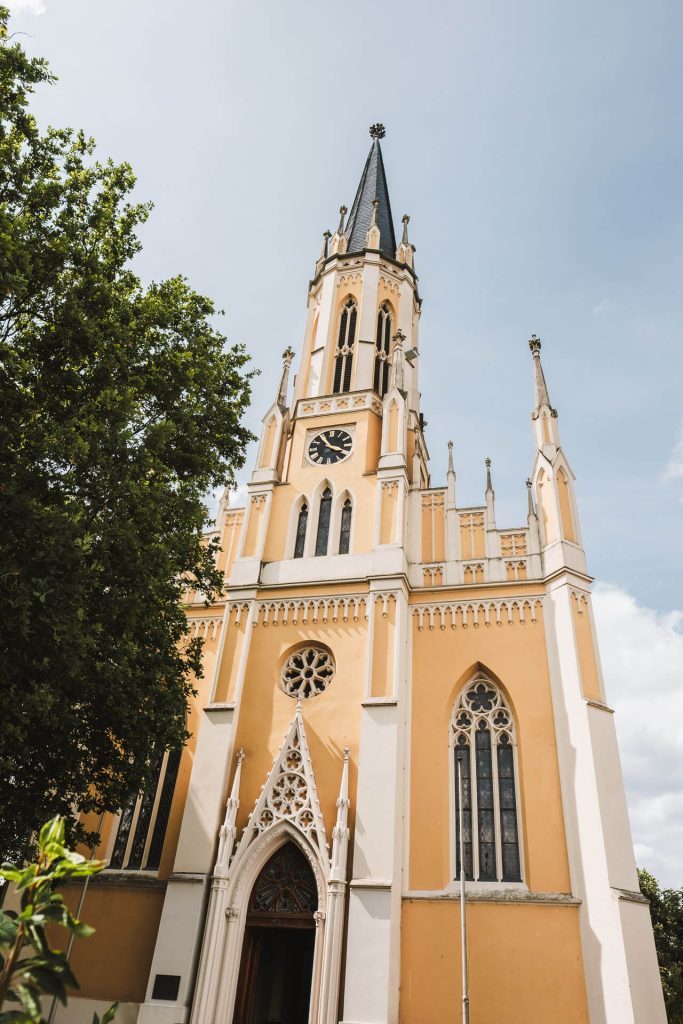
{"x": 377, "y": 642}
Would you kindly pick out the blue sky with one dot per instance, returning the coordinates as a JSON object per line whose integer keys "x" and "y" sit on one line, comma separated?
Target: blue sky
{"x": 537, "y": 148}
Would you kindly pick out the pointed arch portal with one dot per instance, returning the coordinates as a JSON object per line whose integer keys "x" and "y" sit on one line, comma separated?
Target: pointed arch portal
{"x": 277, "y": 952}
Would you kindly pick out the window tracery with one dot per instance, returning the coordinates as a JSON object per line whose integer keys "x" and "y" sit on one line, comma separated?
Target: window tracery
{"x": 286, "y": 885}
{"x": 382, "y": 350}
{"x": 343, "y": 362}
{"x": 307, "y": 672}
{"x": 483, "y": 742}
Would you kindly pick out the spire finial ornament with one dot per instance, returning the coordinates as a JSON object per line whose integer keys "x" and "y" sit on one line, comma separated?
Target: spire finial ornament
{"x": 451, "y": 467}
{"x": 377, "y": 131}
{"x": 405, "y": 219}
{"x": 342, "y": 214}
{"x": 530, "y": 498}
{"x": 489, "y": 485}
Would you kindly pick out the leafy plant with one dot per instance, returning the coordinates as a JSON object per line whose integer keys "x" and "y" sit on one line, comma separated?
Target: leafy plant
{"x": 666, "y": 910}
{"x": 29, "y": 966}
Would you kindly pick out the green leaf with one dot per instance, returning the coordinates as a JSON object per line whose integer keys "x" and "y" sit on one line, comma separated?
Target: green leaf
{"x": 8, "y": 929}
{"x": 107, "y": 1017}
{"x": 52, "y": 833}
{"x": 15, "y": 1017}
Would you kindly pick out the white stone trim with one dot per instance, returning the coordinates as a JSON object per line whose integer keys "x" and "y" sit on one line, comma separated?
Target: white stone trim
{"x": 476, "y": 613}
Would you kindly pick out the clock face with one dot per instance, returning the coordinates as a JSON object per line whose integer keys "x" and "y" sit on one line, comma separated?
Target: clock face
{"x": 330, "y": 446}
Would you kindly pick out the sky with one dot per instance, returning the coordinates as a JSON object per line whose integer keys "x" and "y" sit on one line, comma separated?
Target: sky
{"x": 537, "y": 148}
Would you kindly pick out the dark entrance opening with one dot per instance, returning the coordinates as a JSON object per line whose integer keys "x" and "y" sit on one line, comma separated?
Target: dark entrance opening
{"x": 274, "y": 984}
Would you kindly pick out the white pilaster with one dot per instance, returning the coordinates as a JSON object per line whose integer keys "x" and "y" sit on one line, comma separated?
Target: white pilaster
{"x": 620, "y": 966}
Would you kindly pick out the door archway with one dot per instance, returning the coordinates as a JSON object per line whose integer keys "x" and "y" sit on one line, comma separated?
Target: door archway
{"x": 274, "y": 984}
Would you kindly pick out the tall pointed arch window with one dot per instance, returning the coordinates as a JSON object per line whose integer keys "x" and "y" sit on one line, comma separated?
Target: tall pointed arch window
{"x": 345, "y": 528}
{"x": 300, "y": 539}
{"x": 343, "y": 360}
{"x": 324, "y": 515}
{"x": 483, "y": 744}
{"x": 382, "y": 350}
{"x": 144, "y": 820}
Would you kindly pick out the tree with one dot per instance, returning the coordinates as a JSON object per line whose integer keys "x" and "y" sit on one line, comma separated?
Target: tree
{"x": 44, "y": 971}
{"x": 120, "y": 407}
{"x": 666, "y": 910}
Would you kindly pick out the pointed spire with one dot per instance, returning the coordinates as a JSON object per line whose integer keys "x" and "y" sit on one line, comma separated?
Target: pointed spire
{"x": 405, "y": 220}
{"x": 287, "y": 357}
{"x": 489, "y": 485}
{"x": 373, "y": 185}
{"x": 490, "y": 498}
{"x": 451, "y": 467}
{"x": 542, "y": 396}
{"x": 228, "y": 830}
{"x": 340, "y": 832}
{"x": 530, "y": 498}
{"x": 324, "y": 252}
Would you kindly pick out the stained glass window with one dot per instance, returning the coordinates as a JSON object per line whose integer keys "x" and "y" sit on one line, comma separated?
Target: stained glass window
{"x": 343, "y": 362}
{"x": 286, "y": 885}
{"x": 324, "y": 522}
{"x": 300, "y": 541}
{"x": 483, "y": 739}
{"x": 146, "y": 816}
{"x": 345, "y": 528}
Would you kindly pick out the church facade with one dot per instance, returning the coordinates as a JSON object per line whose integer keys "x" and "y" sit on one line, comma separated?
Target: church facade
{"x": 300, "y": 862}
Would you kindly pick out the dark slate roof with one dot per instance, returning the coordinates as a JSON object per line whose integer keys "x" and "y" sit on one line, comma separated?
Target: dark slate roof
{"x": 373, "y": 185}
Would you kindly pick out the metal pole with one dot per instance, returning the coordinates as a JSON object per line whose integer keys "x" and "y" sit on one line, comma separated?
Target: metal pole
{"x": 463, "y": 907}
{"x": 79, "y": 908}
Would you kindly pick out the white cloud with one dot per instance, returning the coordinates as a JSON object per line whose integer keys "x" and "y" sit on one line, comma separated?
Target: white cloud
{"x": 605, "y": 306}
{"x": 27, "y": 6}
{"x": 674, "y": 467}
{"x": 642, "y": 658}
{"x": 238, "y": 497}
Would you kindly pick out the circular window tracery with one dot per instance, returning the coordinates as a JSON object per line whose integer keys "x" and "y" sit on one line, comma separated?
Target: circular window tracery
{"x": 307, "y": 672}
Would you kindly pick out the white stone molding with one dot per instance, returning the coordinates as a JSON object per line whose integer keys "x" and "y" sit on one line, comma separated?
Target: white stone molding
{"x": 477, "y": 613}
{"x": 290, "y": 794}
{"x": 287, "y": 809}
{"x": 336, "y": 905}
{"x": 346, "y": 402}
{"x": 204, "y": 625}
{"x": 311, "y": 610}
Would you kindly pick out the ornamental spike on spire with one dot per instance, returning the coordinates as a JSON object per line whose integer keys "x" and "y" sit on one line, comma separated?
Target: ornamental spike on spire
{"x": 542, "y": 396}
{"x": 287, "y": 357}
{"x": 373, "y": 185}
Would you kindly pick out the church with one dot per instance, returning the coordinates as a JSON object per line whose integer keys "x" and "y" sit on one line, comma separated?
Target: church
{"x": 400, "y": 697}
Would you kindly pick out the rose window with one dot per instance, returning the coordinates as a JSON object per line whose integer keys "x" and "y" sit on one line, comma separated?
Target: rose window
{"x": 307, "y": 672}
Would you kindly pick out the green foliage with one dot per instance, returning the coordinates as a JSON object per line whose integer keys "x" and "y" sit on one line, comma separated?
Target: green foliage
{"x": 120, "y": 407}
{"x": 666, "y": 910}
{"x": 44, "y": 971}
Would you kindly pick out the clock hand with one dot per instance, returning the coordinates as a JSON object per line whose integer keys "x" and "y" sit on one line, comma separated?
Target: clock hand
{"x": 334, "y": 447}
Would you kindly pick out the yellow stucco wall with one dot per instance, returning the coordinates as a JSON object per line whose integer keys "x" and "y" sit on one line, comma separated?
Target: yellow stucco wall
{"x": 525, "y": 963}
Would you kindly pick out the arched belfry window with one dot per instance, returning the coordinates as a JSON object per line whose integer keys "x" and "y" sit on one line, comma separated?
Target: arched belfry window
{"x": 382, "y": 350}
{"x": 301, "y": 523}
{"x": 324, "y": 522}
{"x": 345, "y": 528}
{"x": 483, "y": 742}
{"x": 343, "y": 360}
